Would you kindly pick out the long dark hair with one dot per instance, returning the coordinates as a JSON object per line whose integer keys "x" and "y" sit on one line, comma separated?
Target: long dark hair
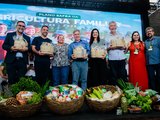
{"x": 92, "y": 38}
{"x": 132, "y": 41}
{"x": 133, "y": 34}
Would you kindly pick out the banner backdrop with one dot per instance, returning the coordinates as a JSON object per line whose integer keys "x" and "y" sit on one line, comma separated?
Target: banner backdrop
{"x": 64, "y": 21}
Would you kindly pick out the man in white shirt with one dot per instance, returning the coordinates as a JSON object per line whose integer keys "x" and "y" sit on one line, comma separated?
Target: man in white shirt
{"x": 116, "y": 55}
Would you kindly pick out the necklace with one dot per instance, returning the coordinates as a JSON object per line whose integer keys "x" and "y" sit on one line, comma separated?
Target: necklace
{"x": 136, "y": 48}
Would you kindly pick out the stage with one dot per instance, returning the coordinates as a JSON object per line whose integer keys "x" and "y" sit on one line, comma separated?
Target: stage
{"x": 86, "y": 114}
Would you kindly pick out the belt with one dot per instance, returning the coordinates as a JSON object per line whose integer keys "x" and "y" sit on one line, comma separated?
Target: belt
{"x": 80, "y": 60}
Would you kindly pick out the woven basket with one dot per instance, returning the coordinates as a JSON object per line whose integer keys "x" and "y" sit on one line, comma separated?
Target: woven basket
{"x": 68, "y": 107}
{"x": 103, "y": 106}
{"x": 16, "y": 111}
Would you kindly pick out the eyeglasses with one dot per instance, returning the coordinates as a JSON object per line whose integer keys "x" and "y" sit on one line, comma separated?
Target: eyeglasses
{"x": 21, "y": 26}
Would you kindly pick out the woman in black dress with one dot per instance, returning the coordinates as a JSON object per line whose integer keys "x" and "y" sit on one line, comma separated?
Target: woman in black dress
{"x": 97, "y": 61}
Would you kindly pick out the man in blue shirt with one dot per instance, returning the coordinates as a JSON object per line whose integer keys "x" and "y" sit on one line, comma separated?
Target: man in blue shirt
{"x": 153, "y": 58}
{"x": 79, "y": 64}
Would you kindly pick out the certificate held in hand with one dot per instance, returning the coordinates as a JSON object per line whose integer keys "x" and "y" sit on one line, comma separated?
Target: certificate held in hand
{"x": 47, "y": 48}
{"x": 118, "y": 42}
{"x": 79, "y": 52}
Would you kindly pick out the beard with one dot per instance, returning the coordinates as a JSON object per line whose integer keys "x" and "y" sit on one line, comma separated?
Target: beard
{"x": 44, "y": 34}
{"x": 149, "y": 35}
{"x": 20, "y": 31}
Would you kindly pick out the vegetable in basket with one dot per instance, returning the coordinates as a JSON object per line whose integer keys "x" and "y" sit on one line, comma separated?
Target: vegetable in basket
{"x": 124, "y": 104}
{"x": 27, "y": 84}
{"x": 101, "y": 94}
{"x": 125, "y": 85}
{"x": 150, "y": 92}
{"x": 36, "y": 98}
{"x": 144, "y": 102}
{"x": 136, "y": 97}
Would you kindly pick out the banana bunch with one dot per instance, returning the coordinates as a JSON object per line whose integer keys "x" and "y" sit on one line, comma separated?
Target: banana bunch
{"x": 95, "y": 94}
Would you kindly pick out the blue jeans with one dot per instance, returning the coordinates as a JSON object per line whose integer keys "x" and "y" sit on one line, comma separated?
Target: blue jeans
{"x": 60, "y": 75}
{"x": 80, "y": 72}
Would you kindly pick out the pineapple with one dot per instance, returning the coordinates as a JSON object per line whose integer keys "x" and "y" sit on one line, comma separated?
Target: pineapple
{"x": 11, "y": 101}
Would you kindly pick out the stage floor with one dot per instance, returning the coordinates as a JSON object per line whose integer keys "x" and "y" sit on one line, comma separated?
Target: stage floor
{"x": 86, "y": 114}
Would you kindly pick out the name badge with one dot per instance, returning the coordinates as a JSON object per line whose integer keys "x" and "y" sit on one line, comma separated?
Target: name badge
{"x": 136, "y": 52}
{"x": 150, "y": 48}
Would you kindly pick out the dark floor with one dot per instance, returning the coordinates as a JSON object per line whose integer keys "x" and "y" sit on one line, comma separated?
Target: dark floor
{"x": 86, "y": 114}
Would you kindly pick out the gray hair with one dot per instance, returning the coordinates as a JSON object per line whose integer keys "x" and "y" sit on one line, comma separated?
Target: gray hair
{"x": 149, "y": 28}
{"x": 76, "y": 31}
{"x": 112, "y": 22}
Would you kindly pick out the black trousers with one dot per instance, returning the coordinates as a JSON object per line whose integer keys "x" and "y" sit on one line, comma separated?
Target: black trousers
{"x": 154, "y": 76}
{"x": 98, "y": 73}
{"x": 42, "y": 70}
{"x": 118, "y": 70}
{"x": 16, "y": 70}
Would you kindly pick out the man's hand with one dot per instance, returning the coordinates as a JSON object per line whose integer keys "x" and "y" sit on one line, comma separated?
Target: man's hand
{"x": 73, "y": 56}
{"x": 23, "y": 49}
{"x": 51, "y": 55}
{"x": 121, "y": 47}
{"x": 85, "y": 56}
{"x": 40, "y": 53}
{"x": 117, "y": 47}
{"x": 13, "y": 48}
{"x": 5, "y": 77}
{"x": 103, "y": 56}
{"x": 112, "y": 48}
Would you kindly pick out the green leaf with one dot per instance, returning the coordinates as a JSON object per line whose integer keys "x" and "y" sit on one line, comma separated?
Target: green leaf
{"x": 25, "y": 84}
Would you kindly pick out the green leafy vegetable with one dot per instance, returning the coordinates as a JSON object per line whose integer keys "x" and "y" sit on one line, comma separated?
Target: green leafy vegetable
{"x": 144, "y": 102}
{"x": 25, "y": 84}
{"x": 150, "y": 92}
{"x": 45, "y": 88}
{"x": 36, "y": 98}
{"x": 1, "y": 98}
{"x": 125, "y": 85}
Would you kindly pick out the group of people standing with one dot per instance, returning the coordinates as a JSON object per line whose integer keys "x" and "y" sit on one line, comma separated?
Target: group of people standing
{"x": 144, "y": 60}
